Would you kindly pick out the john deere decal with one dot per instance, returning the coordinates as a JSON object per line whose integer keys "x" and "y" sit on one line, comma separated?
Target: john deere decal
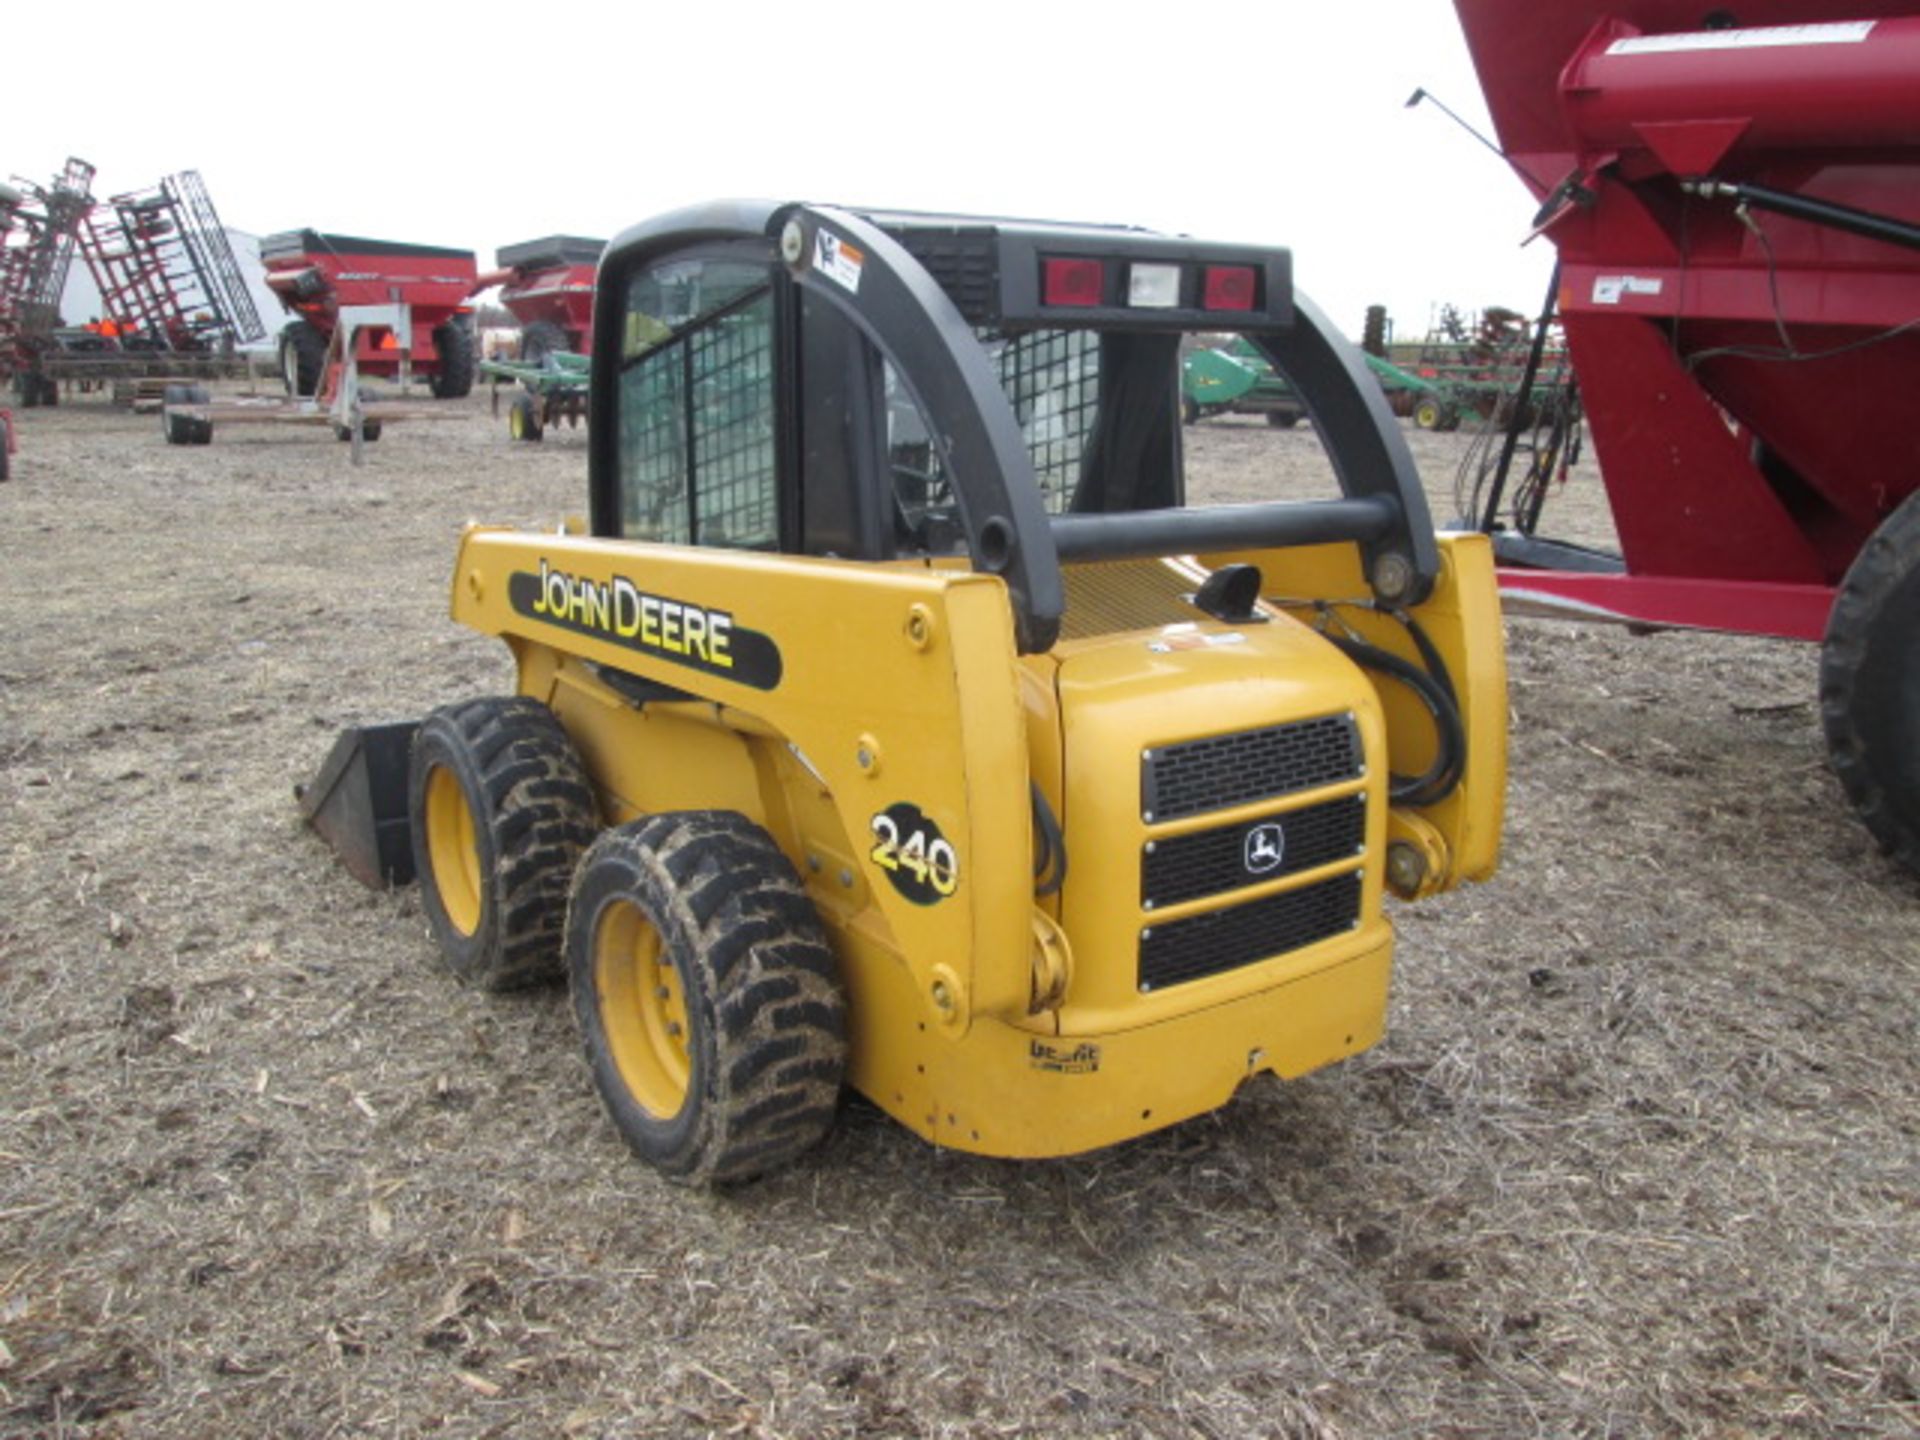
{"x": 697, "y": 636}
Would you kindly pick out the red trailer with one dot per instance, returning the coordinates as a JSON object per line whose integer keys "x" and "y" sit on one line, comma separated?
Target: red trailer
{"x": 314, "y": 274}
{"x": 547, "y": 285}
{"x": 1735, "y": 197}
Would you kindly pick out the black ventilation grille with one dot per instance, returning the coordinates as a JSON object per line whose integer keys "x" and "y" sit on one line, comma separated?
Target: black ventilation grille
{"x": 1253, "y": 765}
{"x": 1224, "y": 940}
{"x": 963, "y": 262}
{"x": 1211, "y": 861}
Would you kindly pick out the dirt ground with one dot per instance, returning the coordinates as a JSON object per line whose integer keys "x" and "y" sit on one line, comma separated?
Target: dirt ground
{"x": 1637, "y": 1157}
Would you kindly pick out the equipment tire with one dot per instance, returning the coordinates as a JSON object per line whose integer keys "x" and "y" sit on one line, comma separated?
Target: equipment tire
{"x": 1428, "y": 413}
{"x": 1283, "y": 419}
{"x": 523, "y": 419}
{"x": 369, "y": 431}
{"x": 185, "y": 429}
{"x": 1189, "y": 411}
{"x": 708, "y": 1001}
{"x": 541, "y": 339}
{"x": 1870, "y": 684}
{"x": 303, "y": 356}
{"x": 453, "y": 343}
{"x": 501, "y": 812}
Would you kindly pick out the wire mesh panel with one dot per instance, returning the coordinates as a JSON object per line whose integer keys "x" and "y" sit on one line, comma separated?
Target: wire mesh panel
{"x": 1053, "y": 379}
{"x": 696, "y": 422}
{"x": 731, "y": 368}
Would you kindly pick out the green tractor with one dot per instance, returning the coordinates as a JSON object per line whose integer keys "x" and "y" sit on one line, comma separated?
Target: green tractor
{"x": 1234, "y": 378}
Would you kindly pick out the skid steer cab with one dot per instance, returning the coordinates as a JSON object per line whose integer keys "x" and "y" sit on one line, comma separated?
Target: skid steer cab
{"x": 897, "y": 725}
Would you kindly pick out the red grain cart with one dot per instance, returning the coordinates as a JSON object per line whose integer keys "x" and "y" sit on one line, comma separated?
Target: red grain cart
{"x": 315, "y": 274}
{"x": 1735, "y": 196}
{"x": 547, "y": 285}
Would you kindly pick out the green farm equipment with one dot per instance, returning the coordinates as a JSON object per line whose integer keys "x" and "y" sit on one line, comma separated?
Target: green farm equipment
{"x": 552, "y": 389}
{"x": 1234, "y": 378}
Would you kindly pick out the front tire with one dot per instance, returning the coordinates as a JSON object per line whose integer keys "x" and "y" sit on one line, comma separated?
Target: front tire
{"x": 1870, "y": 684}
{"x": 709, "y": 1003}
{"x": 501, "y": 812}
{"x": 523, "y": 419}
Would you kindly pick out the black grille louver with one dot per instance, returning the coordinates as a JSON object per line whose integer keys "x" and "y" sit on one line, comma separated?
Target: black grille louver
{"x": 1248, "y": 766}
{"x": 1209, "y": 862}
{"x": 1222, "y": 940}
{"x": 965, "y": 263}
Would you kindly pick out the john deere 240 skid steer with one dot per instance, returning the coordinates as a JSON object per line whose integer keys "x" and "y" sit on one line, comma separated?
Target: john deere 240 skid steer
{"x": 898, "y": 726}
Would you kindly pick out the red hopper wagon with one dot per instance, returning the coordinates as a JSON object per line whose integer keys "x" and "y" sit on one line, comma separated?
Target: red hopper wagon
{"x": 315, "y": 274}
{"x": 1735, "y": 196}
{"x": 547, "y": 285}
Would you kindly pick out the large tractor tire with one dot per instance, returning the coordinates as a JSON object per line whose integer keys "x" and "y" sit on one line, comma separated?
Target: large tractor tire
{"x": 303, "y": 356}
{"x": 1870, "y": 684}
{"x": 453, "y": 344}
{"x": 541, "y": 339}
{"x": 708, "y": 1001}
{"x": 501, "y": 813}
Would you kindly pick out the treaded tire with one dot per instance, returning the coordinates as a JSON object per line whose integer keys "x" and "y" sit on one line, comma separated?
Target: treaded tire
{"x": 541, "y": 339}
{"x": 1870, "y": 684}
{"x": 501, "y": 812}
{"x": 523, "y": 419}
{"x": 303, "y": 355}
{"x": 701, "y": 910}
{"x": 453, "y": 343}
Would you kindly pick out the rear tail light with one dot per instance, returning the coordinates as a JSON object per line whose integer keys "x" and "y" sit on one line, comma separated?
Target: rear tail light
{"x": 1072, "y": 282}
{"x": 1228, "y": 287}
{"x": 1153, "y": 287}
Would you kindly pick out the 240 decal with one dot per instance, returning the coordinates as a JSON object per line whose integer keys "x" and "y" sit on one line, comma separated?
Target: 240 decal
{"x": 918, "y": 859}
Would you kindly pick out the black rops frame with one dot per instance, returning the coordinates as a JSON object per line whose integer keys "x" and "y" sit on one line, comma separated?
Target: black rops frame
{"x": 898, "y": 305}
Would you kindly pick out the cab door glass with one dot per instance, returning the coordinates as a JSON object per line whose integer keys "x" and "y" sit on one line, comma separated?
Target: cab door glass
{"x": 696, "y": 460}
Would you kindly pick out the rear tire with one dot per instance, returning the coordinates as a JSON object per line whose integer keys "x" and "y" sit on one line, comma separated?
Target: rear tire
{"x": 501, "y": 812}
{"x": 540, "y": 340}
{"x": 1870, "y": 684}
{"x": 303, "y": 356}
{"x": 453, "y": 343}
{"x": 709, "y": 1003}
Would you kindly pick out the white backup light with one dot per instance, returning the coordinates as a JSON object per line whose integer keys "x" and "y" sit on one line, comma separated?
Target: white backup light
{"x": 1153, "y": 287}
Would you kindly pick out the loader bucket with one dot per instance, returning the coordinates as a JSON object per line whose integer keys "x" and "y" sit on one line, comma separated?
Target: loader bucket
{"x": 358, "y": 802}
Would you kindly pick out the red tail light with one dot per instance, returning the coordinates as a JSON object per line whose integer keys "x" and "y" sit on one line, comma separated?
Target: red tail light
{"x": 1229, "y": 287}
{"x": 1072, "y": 282}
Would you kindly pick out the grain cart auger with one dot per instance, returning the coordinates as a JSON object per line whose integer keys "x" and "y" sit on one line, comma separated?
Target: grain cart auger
{"x": 1735, "y": 196}
{"x": 896, "y": 724}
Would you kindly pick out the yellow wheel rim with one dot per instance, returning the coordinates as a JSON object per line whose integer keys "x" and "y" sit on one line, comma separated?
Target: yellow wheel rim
{"x": 516, "y": 427}
{"x": 643, "y": 1009}
{"x": 453, "y": 850}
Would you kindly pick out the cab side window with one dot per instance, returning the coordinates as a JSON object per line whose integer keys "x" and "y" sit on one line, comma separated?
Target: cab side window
{"x": 696, "y": 462}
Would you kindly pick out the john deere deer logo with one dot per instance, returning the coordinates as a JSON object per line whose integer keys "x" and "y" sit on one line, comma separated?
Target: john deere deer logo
{"x": 1264, "y": 847}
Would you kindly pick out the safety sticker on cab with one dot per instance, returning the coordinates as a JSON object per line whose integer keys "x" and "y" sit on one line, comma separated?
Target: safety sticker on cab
{"x": 837, "y": 260}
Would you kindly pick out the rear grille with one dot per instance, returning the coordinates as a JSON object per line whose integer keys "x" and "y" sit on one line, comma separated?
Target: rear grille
{"x": 1231, "y": 856}
{"x": 964, "y": 262}
{"x": 1223, "y": 770}
{"x": 1228, "y": 939}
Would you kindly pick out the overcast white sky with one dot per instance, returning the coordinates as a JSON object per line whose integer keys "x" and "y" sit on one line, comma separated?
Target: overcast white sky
{"x": 483, "y": 124}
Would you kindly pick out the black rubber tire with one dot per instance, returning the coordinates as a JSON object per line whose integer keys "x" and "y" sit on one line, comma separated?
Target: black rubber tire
{"x": 453, "y": 343}
{"x": 185, "y": 429}
{"x": 541, "y": 339}
{"x": 523, "y": 420}
{"x": 1870, "y": 684}
{"x": 498, "y": 909}
{"x": 1429, "y": 413}
{"x": 369, "y": 431}
{"x": 1283, "y": 419}
{"x": 765, "y": 1019}
{"x": 303, "y": 356}
{"x": 1189, "y": 410}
